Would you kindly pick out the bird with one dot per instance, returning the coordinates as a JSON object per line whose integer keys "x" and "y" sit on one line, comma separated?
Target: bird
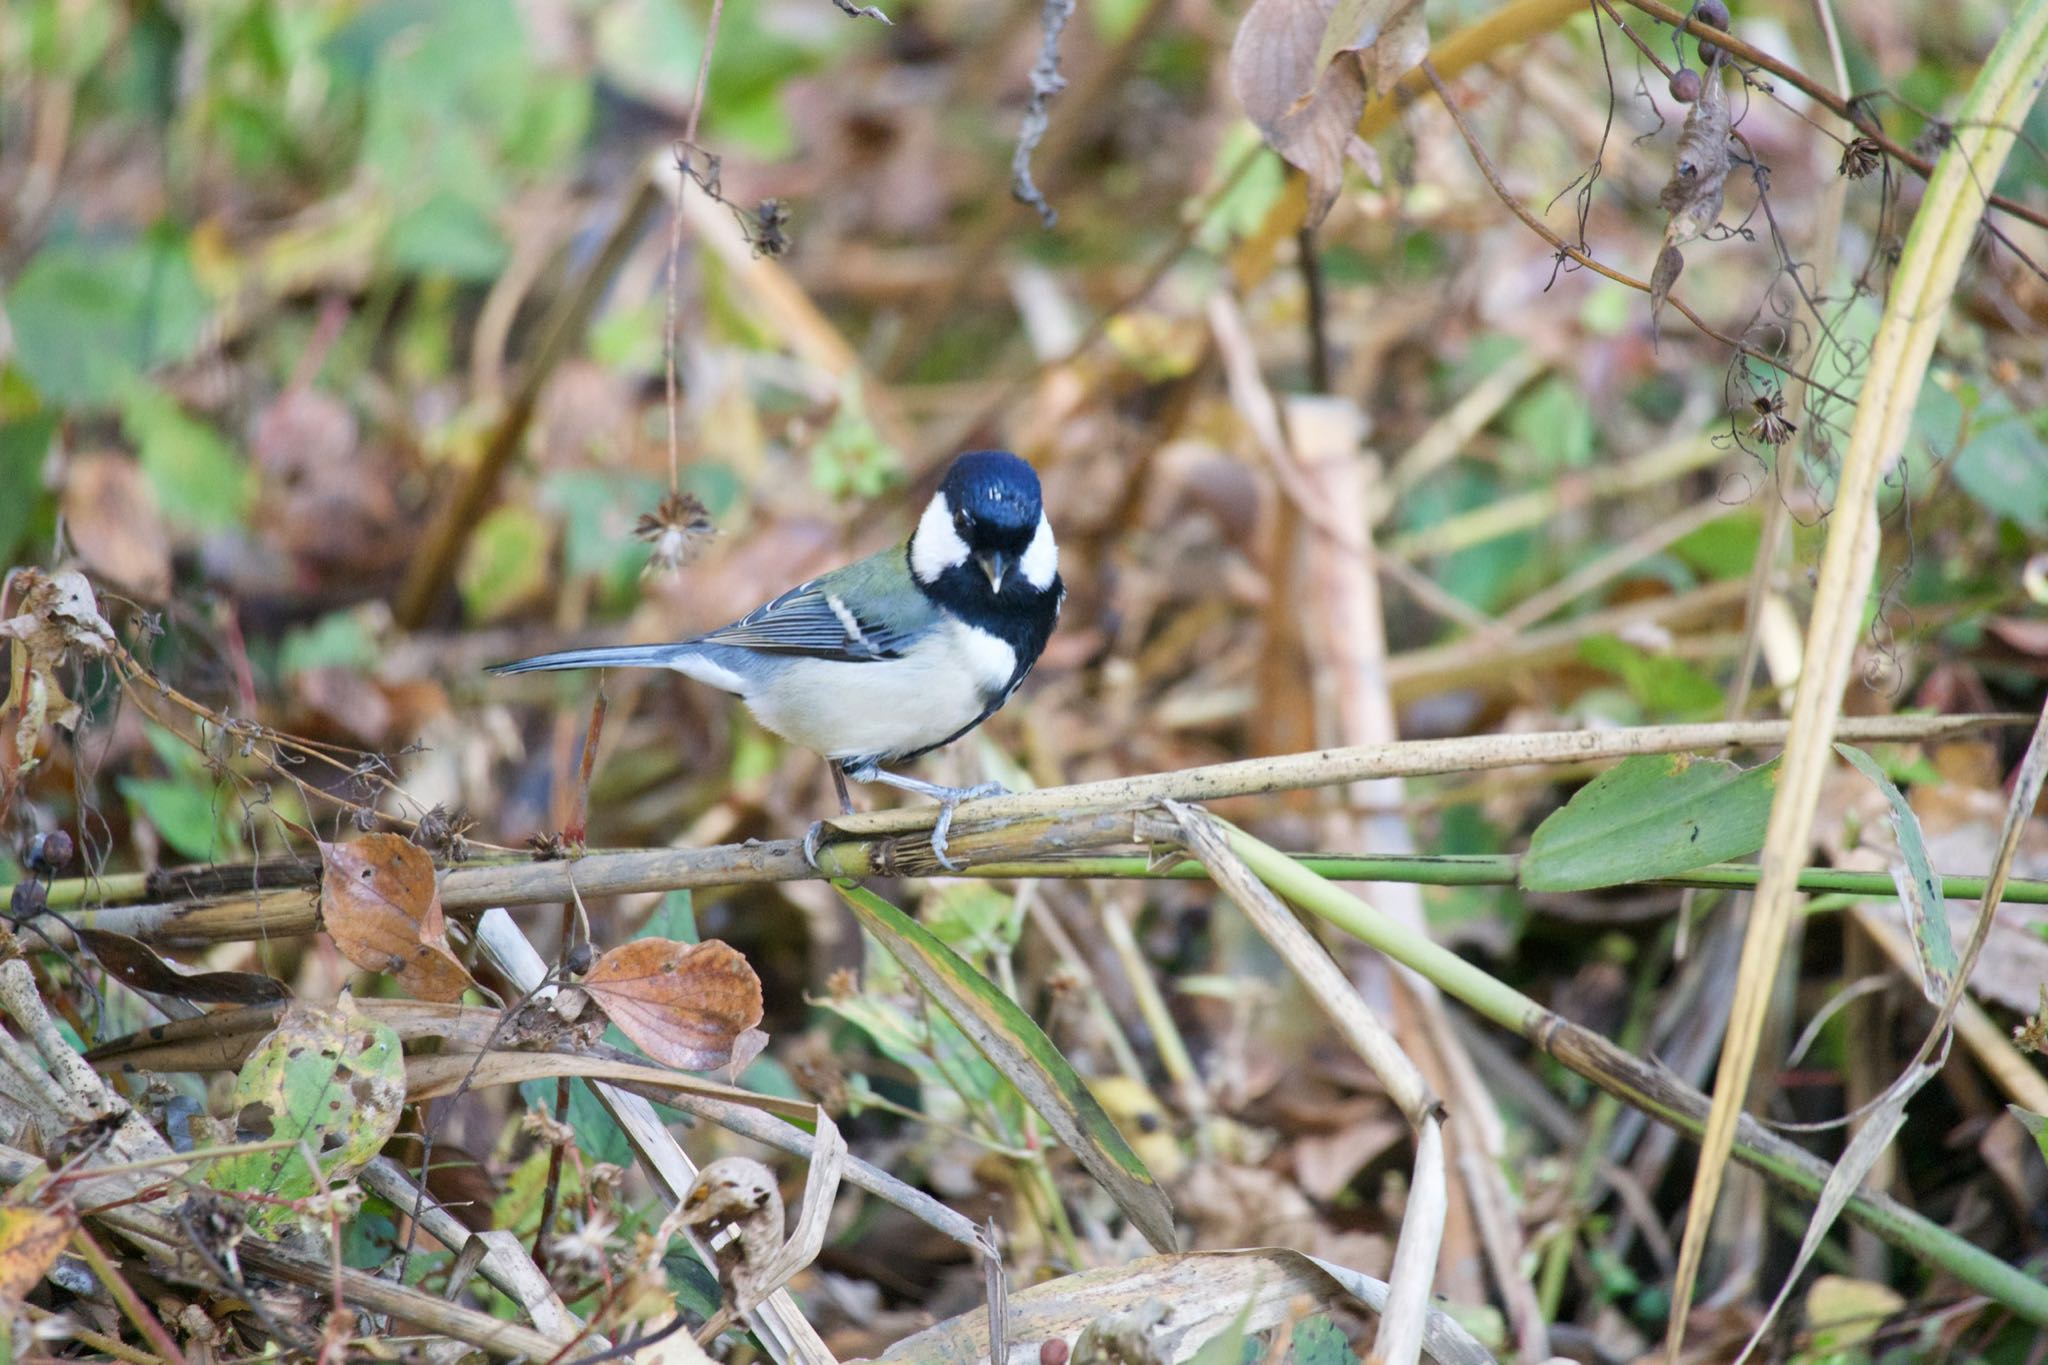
{"x": 886, "y": 659}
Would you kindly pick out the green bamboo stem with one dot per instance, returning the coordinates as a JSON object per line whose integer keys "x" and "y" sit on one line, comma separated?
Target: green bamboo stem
{"x": 1642, "y": 1084}
{"x": 1500, "y": 869}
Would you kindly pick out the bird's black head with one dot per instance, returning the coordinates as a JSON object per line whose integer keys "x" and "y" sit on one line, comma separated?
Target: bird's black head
{"x": 984, "y": 532}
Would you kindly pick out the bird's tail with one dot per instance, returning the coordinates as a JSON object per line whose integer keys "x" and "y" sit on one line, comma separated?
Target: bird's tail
{"x": 612, "y": 656}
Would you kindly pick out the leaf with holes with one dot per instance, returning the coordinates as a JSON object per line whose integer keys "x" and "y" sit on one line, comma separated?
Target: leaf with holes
{"x": 380, "y": 905}
{"x": 30, "y": 1239}
{"x": 1651, "y": 816}
{"x": 1919, "y": 888}
{"x": 328, "y": 1080}
{"x": 685, "y": 1004}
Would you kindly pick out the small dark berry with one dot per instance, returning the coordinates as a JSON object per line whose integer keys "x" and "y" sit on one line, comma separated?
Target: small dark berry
{"x": 27, "y": 900}
{"x": 580, "y": 958}
{"x": 1714, "y": 14}
{"x": 1052, "y": 1351}
{"x": 1685, "y": 85}
{"x": 51, "y": 853}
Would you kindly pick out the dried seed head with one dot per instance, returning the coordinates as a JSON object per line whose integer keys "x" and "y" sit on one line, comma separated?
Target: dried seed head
{"x": 1861, "y": 157}
{"x": 1771, "y": 425}
{"x": 677, "y": 528}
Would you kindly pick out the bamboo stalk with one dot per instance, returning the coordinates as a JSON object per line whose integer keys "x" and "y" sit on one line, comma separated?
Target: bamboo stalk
{"x": 1645, "y": 1085}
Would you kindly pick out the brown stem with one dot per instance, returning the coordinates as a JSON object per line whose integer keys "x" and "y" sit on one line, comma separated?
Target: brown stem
{"x": 1570, "y": 252}
{"x": 1847, "y": 109}
{"x": 428, "y": 574}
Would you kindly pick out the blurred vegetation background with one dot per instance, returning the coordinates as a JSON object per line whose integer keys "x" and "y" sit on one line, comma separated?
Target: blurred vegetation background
{"x": 338, "y": 346}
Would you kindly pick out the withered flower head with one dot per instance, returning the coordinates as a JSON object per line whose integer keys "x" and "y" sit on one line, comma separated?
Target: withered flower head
{"x": 441, "y": 831}
{"x": 769, "y": 232}
{"x": 1861, "y": 157}
{"x": 676, "y": 528}
{"x": 1771, "y": 425}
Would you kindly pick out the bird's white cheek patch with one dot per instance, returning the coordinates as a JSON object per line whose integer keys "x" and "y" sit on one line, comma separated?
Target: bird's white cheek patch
{"x": 990, "y": 660}
{"x": 1041, "y": 561}
{"x": 935, "y": 546}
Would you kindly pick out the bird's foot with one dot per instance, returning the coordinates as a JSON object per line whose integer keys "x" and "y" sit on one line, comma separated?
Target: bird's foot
{"x": 949, "y": 798}
{"x": 814, "y": 837}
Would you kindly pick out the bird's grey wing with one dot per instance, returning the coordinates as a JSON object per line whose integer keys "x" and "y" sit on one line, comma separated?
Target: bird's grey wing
{"x": 812, "y": 619}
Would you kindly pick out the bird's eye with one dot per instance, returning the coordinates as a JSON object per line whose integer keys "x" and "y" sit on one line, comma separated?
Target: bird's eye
{"x": 961, "y": 521}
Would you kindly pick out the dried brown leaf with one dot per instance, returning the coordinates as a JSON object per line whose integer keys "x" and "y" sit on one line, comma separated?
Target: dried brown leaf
{"x": 379, "y": 903}
{"x": 1699, "y": 170}
{"x": 684, "y": 1004}
{"x": 112, "y": 519}
{"x": 137, "y": 965}
{"x": 58, "y": 614}
{"x": 1308, "y": 113}
{"x": 1390, "y": 37}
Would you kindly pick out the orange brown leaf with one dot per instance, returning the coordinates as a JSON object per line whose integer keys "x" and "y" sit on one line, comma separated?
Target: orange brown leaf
{"x": 683, "y": 1003}
{"x": 381, "y": 906}
{"x": 30, "y": 1239}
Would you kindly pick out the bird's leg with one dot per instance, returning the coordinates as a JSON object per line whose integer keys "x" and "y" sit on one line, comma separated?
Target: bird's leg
{"x": 815, "y": 835}
{"x": 947, "y": 797}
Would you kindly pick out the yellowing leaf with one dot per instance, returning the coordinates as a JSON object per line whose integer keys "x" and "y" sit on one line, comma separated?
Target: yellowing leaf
{"x": 30, "y": 1239}
{"x": 326, "y": 1080}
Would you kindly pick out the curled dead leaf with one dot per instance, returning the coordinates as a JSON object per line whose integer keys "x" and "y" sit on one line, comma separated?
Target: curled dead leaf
{"x": 382, "y": 908}
{"x": 740, "y": 1193}
{"x": 58, "y": 614}
{"x": 1307, "y": 112}
{"x": 1699, "y": 170}
{"x": 684, "y": 1004}
{"x": 136, "y": 964}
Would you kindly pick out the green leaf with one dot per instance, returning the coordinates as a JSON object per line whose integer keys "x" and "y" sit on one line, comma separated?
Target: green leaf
{"x": 1320, "y": 1341}
{"x": 186, "y": 813}
{"x": 1556, "y": 423}
{"x": 505, "y": 563}
{"x": 1723, "y": 548}
{"x": 24, "y": 445}
{"x": 1019, "y": 1049}
{"x": 90, "y": 318}
{"x": 675, "y": 917}
{"x": 1919, "y": 888}
{"x": 329, "y": 1080}
{"x": 1661, "y": 684}
{"x": 2035, "y": 1124}
{"x": 447, "y": 236}
{"x": 201, "y": 482}
{"x": 2004, "y": 467}
{"x": 1651, "y": 816}
{"x": 597, "y": 1132}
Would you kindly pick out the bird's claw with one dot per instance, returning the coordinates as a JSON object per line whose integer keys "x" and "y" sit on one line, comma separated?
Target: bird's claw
{"x": 814, "y": 837}
{"x": 944, "y": 824}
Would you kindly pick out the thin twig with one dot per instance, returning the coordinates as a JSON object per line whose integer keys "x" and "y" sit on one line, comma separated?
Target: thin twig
{"x": 1046, "y": 81}
{"x": 1570, "y": 252}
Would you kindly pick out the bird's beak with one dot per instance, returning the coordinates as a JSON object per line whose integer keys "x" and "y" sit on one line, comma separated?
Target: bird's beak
{"x": 996, "y": 565}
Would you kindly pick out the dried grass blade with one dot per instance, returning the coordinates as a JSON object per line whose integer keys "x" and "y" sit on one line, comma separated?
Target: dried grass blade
{"x": 1401, "y": 1325}
{"x": 1942, "y": 234}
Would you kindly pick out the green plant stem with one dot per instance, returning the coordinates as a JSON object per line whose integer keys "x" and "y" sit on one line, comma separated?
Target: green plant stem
{"x": 1645, "y": 1085}
{"x": 1500, "y": 869}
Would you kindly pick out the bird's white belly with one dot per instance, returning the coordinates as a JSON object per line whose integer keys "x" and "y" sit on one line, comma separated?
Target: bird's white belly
{"x": 887, "y": 706}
